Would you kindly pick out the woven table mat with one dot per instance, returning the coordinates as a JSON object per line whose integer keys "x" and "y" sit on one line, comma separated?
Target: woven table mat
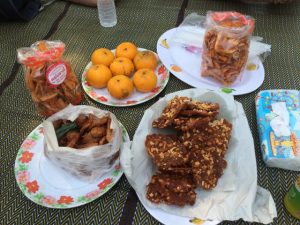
{"x": 142, "y": 22}
{"x": 279, "y": 25}
{"x": 77, "y": 26}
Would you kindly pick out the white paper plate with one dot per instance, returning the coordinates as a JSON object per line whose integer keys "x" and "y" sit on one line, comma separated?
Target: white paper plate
{"x": 47, "y": 185}
{"x": 169, "y": 219}
{"x": 174, "y": 59}
{"x": 102, "y": 96}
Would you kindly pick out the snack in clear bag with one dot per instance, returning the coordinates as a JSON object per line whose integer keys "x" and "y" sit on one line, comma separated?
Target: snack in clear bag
{"x": 50, "y": 80}
{"x": 226, "y": 45}
{"x": 84, "y": 155}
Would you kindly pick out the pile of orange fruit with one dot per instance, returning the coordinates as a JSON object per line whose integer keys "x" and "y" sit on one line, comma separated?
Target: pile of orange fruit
{"x": 123, "y": 71}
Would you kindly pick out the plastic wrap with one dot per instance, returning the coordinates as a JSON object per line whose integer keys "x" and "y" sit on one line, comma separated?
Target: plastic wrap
{"x": 89, "y": 163}
{"x": 50, "y": 80}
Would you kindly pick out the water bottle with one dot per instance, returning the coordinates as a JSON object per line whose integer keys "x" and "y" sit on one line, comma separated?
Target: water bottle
{"x": 107, "y": 13}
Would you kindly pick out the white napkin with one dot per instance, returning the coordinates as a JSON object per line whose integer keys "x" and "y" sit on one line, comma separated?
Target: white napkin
{"x": 236, "y": 195}
{"x": 281, "y": 121}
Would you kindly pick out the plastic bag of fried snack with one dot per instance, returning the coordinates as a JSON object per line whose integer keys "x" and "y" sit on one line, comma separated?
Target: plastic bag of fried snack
{"x": 187, "y": 45}
{"x": 226, "y": 45}
{"x": 83, "y": 140}
{"x": 50, "y": 80}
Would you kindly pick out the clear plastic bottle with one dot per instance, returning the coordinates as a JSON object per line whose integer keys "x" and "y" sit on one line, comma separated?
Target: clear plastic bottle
{"x": 107, "y": 13}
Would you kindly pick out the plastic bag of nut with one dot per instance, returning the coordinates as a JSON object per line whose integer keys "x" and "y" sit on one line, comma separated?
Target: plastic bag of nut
{"x": 50, "y": 80}
{"x": 226, "y": 45}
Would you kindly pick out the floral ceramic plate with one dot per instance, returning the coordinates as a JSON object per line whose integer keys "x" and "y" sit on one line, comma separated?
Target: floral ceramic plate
{"x": 102, "y": 95}
{"x": 49, "y": 186}
{"x": 185, "y": 63}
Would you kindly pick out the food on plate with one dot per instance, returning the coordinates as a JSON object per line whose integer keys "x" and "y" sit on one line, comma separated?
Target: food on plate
{"x": 105, "y": 65}
{"x": 126, "y": 49}
{"x": 83, "y": 140}
{"x": 144, "y": 80}
{"x": 172, "y": 189}
{"x": 102, "y": 56}
{"x": 98, "y": 76}
{"x": 120, "y": 86}
{"x": 196, "y": 151}
{"x": 185, "y": 114}
{"x": 122, "y": 66}
{"x": 226, "y": 45}
{"x": 145, "y": 59}
{"x": 166, "y": 151}
{"x": 50, "y": 80}
{"x": 85, "y": 131}
{"x": 170, "y": 112}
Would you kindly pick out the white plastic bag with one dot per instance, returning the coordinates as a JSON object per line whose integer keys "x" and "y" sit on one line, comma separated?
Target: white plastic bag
{"x": 87, "y": 164}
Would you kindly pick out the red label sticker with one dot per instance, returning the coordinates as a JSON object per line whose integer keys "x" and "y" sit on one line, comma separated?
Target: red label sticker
{"x": 56, "y": 74}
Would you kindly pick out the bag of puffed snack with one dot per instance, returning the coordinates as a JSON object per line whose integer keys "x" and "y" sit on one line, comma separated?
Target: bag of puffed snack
{"x": 226, "y": 45}
{"x": 83, "y": 140}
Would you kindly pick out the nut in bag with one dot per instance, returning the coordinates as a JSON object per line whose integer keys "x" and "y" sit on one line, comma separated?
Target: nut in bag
{"x": 83, "y": 140}
{"x": 50, "y": 80}
{"x": 226, "y": 45}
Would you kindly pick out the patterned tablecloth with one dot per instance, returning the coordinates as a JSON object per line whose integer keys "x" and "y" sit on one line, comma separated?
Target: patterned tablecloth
{"x": 141, "y": 22}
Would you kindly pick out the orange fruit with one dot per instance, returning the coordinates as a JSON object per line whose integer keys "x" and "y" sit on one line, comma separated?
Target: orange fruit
{"x": 126, "y": 49}
{"x": 144, "y": 80}
{"x": 122, "y": 66}
{"x": 102, "y": 56}
{"x": 145, "y": 59}
{"x": 98, "y": 76}
{"x": 120, "y": 86}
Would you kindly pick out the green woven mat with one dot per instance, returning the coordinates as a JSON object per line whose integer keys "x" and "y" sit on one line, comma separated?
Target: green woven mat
{"x": 279, "y": 26}
{"x": 82, "y": 33}
{"x": 142, "y": 22}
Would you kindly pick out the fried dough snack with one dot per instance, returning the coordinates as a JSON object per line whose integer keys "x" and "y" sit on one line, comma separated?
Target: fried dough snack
{"x": 226, "y": 45}
{"x": 37, "y": 62}
{"x": 86, "y": 131}
{"x": 195, "y": 154}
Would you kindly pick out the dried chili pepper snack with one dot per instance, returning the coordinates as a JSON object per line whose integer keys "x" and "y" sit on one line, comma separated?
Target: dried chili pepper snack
{"x": 50, "y": 80}
{"x": 226, "y": 45}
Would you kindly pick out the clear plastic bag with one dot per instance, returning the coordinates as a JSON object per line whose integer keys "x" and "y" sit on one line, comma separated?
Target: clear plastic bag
{"x": 50, "y": 80}
{"x": 226, "y": 45}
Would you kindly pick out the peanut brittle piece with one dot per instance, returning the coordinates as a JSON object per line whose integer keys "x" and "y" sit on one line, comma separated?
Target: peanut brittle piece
{"x": 214, "y": 134}
{"x": 183, "y": 170}
{"x": 207, "y": 167}
{"x": 203, "y": 109}
{"x": 171, "y": 189}
{"x": 166, "y": 151}
{"x": 189, "y": 123}
{"x": 171, "y": 111}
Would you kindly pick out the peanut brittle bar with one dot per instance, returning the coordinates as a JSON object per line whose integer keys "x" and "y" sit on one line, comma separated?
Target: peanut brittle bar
{"x": 214, "y": 134}
{"x": 171, "y": 189}
{"x": 166, "y": 151}
{"x": 196, "y": 108}
{"x": 171, "y": 111}
{"x": 189, "y": 123}
{"x": 207, "y": 167}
